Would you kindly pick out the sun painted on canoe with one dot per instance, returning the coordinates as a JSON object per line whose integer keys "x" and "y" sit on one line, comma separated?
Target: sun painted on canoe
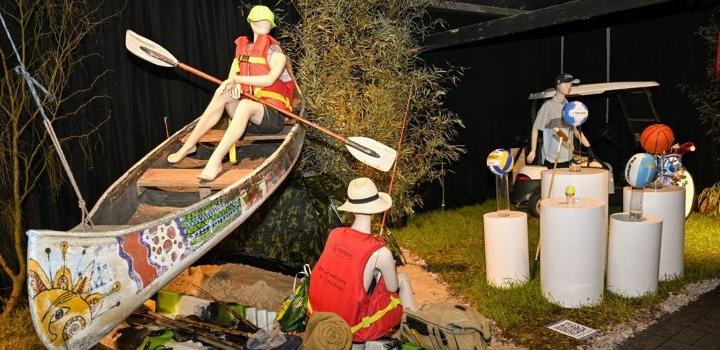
{"x": 65, "y": 306}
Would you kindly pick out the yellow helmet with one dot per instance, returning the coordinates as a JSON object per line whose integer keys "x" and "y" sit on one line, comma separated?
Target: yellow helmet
{"x": 260, "y": 13}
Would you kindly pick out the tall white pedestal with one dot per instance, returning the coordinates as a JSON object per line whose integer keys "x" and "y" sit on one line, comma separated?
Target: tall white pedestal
{"x": 506, "y": 248}
{"x": 572, "y": 251}
{"x": 669, "y": 204}
{"x": 633, "y": 254}
{"x": 588, "y": 182}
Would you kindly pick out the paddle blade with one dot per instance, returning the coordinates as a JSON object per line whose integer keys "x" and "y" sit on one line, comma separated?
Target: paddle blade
{"x": 371, "y": 152}
{"x": 148, "y": 50}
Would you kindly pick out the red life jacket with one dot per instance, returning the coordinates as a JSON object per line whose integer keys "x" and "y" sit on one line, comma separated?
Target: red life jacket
{"x": 254, "y": 62}
{"x": 336, "y": 285}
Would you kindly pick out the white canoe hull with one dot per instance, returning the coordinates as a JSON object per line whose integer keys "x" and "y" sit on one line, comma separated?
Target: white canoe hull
{"x": 82, "y": 284}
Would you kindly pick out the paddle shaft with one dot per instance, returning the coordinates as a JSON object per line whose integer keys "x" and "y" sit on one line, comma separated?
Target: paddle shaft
{"x": 563, "y": 138}
{"x": 324, "y": 130}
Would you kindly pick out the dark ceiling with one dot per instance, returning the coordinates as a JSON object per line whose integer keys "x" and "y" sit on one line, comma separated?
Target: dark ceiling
{"x": 478, "y": 20}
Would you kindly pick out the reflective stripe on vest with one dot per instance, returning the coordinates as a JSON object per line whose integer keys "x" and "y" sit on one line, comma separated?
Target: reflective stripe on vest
{"x": 369, "y": 320}
{"x": 260, "y": 93}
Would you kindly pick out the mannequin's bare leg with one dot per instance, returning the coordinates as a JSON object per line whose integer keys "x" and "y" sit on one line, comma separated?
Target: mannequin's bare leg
{"x": 405, "y": 291}
{"x": 246, "y": 111}
{"x": 208, "y": 119}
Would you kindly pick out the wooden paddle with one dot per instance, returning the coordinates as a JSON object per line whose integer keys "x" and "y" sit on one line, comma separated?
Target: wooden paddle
{"x": 366, "y": 150}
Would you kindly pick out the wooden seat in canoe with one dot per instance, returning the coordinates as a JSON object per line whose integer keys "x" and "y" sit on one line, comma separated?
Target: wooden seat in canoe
{"x": 215, "y": 135}
{"x": 183, "y": 180}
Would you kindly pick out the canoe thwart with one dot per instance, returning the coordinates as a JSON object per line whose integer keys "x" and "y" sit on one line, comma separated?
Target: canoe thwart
{"x": 187, "y": 178}
{"x": 215, "y": 135}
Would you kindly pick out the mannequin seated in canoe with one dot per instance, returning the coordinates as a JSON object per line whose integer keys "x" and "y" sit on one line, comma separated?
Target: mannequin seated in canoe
{"x": 259, "y": 69}
{"x": 355, "y": 276}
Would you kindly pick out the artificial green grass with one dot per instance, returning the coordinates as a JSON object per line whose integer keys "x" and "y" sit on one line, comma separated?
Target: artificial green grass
{"x": 451, "y": 243}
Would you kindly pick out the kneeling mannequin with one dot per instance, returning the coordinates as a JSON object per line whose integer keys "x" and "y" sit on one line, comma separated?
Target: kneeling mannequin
{"x": 355, "y": 276}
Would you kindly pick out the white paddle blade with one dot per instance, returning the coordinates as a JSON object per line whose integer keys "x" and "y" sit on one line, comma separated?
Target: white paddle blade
{"x": 148, "y": 50}
{"x": 383, "y": 157}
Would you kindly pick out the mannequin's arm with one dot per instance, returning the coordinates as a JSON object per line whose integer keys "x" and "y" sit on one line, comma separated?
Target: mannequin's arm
{"x": 386, "y": 265}
{"x": 581, "y": 137}
{"x": 277, "y": 65}
{"x": 533, "y": 143}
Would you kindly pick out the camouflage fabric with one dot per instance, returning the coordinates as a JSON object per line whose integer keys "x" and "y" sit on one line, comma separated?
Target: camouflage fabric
{"x": 292, "y": 225}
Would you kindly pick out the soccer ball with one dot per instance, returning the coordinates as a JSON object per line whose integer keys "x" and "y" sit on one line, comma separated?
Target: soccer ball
{"x": 499, "y": 161}
{"x": 641, "y": 170}
{"x": 574, "y": 113}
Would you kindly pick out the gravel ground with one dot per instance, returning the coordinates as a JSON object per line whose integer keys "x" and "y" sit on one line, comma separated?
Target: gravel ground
{"x": 429, "y": 288}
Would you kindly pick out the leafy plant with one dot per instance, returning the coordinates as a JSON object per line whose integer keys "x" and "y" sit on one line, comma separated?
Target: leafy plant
{"x": 358, "y": 66}
{"x": 706, "y": 97}
{"x": 709, "y": 200}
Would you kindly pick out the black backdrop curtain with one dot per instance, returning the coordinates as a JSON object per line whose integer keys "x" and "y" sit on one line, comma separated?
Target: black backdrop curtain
{"x": 198, "y": 33}
{"x": 658, "y": 44}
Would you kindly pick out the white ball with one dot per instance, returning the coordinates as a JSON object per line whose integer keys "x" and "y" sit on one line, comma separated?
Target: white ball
{"x": 575, "y": 113}
{"x": 641, "y": 170}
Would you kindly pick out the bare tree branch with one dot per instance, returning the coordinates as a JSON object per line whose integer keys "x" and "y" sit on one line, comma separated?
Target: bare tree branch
{"x": 49, "y": 34}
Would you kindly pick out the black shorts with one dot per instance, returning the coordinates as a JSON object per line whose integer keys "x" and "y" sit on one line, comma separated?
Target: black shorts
{"x": 272, "y": 122}
{"x": 550, "y": 165}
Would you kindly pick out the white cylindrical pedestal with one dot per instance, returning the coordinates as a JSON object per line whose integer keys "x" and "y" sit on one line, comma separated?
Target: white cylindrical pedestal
{"x": 588, "y": 182}
{"x": 669, "y": 204}
{"x": 506, "y": 248}
{"x": 633, "y": 254}
{"x": 572, "y": 251}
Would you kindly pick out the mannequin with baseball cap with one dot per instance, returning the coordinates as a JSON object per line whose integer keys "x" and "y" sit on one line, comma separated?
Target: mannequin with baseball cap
{"x": 548, "y": 118}
{"x": 355, "y": 276}
{"x": 259, "y": 69}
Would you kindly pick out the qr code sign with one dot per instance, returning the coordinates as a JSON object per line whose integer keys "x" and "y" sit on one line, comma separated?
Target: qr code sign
{"x": 572, "y": 329}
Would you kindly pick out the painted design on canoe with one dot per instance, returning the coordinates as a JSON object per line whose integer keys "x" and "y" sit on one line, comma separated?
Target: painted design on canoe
{"x": 199, "y": 226}
{"x": 83, "y": 283}
{"x": 152, "y": 252}
{"x": 132, "y": 250}
{"x": 64, "y": 306}
{"x": 252, "y": 194}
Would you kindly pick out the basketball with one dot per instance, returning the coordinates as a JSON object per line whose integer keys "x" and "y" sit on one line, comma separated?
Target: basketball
{"x": 499, "y": 161}
{"x": 641, "y": 170}
{"x": 574, "y": 113}
{"x": 657, "y": 138}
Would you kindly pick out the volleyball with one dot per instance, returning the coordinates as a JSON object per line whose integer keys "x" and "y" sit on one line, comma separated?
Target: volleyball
{"x": 574, "y": 113}
{"x": 657, "y": 138}
{"x": 500, "y": 161}
{"x": 641, "y": 170}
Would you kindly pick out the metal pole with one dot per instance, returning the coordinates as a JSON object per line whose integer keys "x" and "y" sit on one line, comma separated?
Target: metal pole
{"x": 607, "y": 72}
{"x": 562, "y": 54}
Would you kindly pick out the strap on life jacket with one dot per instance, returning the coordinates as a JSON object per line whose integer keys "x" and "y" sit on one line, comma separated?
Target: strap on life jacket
{"x": 260, "y": 93}
{"x": 367, "y": 321}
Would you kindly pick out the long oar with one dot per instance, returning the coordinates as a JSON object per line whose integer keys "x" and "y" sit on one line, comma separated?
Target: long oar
{"x": 366, "y": 150}
{"x": 389, "y": 239}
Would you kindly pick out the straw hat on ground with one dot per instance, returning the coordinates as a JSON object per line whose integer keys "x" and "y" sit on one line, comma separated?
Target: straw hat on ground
{"x": 364, "y": 198}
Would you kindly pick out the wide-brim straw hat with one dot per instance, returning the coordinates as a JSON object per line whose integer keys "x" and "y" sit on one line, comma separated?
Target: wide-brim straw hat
{"x": 364, "y": 198}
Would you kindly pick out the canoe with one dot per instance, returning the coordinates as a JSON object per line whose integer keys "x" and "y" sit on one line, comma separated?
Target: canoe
{"x": 151, "y": 224}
